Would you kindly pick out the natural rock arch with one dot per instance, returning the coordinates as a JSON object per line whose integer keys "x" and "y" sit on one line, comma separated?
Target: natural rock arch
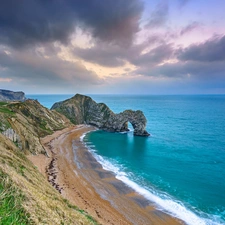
{"x": 137, "y": 120}
{"x": 82, "y": 109}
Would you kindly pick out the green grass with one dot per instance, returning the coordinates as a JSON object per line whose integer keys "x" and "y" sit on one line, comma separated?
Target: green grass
{"x": 4, "y": 108}
{"x": 3, "y": 103}
{"x": 11, "y": 200}
{"x": 42, "y": 125}
{"x": 4, "y": 125}
{"x": 16, "y": 143}
{"x": 90, "y": 218}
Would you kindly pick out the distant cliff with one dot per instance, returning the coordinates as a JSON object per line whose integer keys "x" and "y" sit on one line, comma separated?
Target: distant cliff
{"x": 6, "y": 96}
{"x": 82, "y": 109}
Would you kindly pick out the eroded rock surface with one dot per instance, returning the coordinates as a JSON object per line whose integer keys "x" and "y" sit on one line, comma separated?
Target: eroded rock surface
{"x": 82, "y": 109}
{"x": 7, "y": 96}
{"x": 25, "y": 122}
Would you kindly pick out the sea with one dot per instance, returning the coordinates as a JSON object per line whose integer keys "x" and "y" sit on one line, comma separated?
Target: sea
{"x": 181, "y": 165}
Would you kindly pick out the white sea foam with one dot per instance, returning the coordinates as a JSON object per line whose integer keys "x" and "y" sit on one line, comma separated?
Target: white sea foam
{"x": 164, "y": 202}
{"x": 126, "y": 132}
{"x": 176, "y": 209}
{"x": 82, "y": 137}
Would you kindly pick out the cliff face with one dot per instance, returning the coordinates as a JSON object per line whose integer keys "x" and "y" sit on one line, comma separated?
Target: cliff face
{"x": 25, "y": 122}
{"x": 6, "y": 96}
{"x": 82, "y": 109}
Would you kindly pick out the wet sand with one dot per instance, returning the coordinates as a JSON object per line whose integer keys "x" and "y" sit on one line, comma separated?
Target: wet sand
{"x": 76, "y": 174}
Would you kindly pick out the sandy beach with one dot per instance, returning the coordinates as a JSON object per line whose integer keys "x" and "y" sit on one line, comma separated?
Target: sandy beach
{"x": 75, "y": 173}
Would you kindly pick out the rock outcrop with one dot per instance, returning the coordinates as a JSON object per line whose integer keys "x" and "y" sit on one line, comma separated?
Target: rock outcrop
{"x": 7, "y": 96}
{"x": 13, "y": 136}
{"x": 82, "y": 109}
{"x": 26, "y": 122}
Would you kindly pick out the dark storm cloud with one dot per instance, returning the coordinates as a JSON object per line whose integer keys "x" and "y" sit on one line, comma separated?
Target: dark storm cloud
{"x": 111, "y": 20}
{"x": 190, "y": 27}
{"x": 29, "y": 22}
{"x": 159, "y": 15}
{"x": 32, "y": 21}
{"x": 209, "y": 51}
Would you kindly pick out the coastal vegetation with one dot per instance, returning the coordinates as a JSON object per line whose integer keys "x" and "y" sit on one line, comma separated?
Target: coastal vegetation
{"x": 26, "y": 197}
{"x": 11, "y": 201}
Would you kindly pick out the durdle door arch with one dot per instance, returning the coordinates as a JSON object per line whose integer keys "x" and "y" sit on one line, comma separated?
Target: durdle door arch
{"x": 82, "y": 109}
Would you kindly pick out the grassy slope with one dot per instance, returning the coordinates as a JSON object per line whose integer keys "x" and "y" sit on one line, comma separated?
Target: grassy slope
{"x": 26, "y": 197}
{"x": 11, "y": 199}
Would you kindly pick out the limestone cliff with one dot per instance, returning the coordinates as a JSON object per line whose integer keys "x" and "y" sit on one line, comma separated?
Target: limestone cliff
{"x": 25, "y": 122}
{"x": 82, "y": 109}
{"x": 7, "y": 96}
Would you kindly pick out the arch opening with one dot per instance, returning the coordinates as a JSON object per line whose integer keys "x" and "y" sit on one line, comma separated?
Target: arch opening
{"x": 127, "y": 126}
{"x": 130, "y": 126}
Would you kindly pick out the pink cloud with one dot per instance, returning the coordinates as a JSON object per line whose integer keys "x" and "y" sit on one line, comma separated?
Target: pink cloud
{"x": 5, "y": 79}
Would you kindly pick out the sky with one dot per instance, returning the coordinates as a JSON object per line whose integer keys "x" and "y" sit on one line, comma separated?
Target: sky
{"x": 113, "y": 46}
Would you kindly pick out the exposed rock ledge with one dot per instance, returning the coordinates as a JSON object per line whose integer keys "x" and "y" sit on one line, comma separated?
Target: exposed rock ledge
{"x": 82, "y": 109}
{"x": 7, "y": 96}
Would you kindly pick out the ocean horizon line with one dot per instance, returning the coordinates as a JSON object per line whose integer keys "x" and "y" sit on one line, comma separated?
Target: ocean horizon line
{"x": 41, "y": 94}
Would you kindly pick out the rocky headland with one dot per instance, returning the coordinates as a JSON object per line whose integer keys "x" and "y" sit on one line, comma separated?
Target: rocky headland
{"x": 82, "y": 109}
{"x": 7, "y": 96}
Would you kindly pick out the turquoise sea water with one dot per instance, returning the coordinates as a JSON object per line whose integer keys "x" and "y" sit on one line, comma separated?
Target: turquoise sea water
{"x": 181, "y": 166}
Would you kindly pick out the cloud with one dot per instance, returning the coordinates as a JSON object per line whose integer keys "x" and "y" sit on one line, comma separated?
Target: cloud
{"x": 5, "y": 79}
{"x": 154, "y": 56}
{"x": 31, "y": 22}
{"x": 201, "y": 65}
{"x": 190, "y": 27}
{"x": 182, "y": 3}
{"x": 209, "y": 51}
{"x": 165, "y": 61}
{"x": 114, "y": 21}
{"x": 43, "y": 69}
{"x": 159, "y": 16}
{"x": 110, "y": 55}
{"x": 188, "y": 71}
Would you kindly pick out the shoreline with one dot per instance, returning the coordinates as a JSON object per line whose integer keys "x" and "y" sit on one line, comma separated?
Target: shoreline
{"x": 77, "y": 175}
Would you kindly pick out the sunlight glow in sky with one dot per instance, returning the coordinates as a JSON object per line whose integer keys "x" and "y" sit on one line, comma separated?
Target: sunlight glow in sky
{"x": 113, "y": 46}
